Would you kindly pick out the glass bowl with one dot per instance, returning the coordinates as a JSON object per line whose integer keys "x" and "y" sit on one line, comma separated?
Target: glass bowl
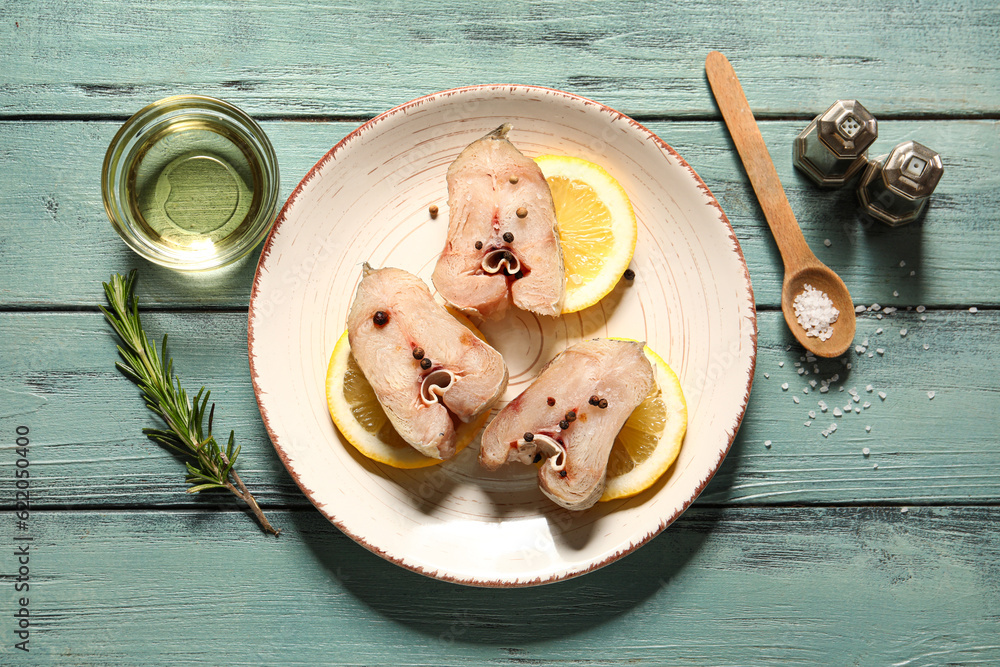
{"x": 191, "y": 183}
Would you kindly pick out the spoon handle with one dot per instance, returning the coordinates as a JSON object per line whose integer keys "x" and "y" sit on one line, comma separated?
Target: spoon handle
{"x": 757, "y": 161}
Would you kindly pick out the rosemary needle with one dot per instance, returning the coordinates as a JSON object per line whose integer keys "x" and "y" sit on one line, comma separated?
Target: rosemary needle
{"x": 209, "y": 466}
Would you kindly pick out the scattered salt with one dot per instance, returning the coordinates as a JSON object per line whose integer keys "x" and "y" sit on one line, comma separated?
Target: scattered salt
{"x": 866, "y": 405}
{"x": 881, "y": 395}
{"x": 902, "y": 332}
{"x": 871, "y": 354}
{"x": 766, "y": 376}
{"x": 822, "y": 405}
{"x": 859, "y": 309}
{"x": 827, "y": 242}
{"x": 801, "y": 371}
{"x": 930, "y": 395}
{"x": 857, "y": 399}
{"x": 840, "y": 389}
{"x": 879, "y": 316}
{"x": 812, "y": 414}
{"x": 868, "y": 429}
{"x": 879, "y": 330}
{"x": 973, "y": 310}
{"x": 902, "y": 264}
{"x": 815, "y": 312}
{"x": 923, "y": 318}
{"x": 847, "y": 408}
{"x": 805, "y": 390}
{"x": 848, "y": 365}
{"x": 875, "y": 307}
{"x": 857, "y": 411}
{"x": 824, "y": 389}
{"x": 795, "y": 399}
{"x": 926, "y": 346}
{"x": 781, "y": 364}
{"x": 921, "y": 309}
{"x": 913, "y": 273}
{"x": 859, "y": 349}
{"x": 866, "y": 451}
{"x": 808, "y": 423}
{"x": 869, "y": 389}
{"x": 875, "y": 467}
{"x": 880, "y": 350}
{"x": 767, "y": 443}
{"x": 889, "y": 310}
{"x": 904, "y": 510}
{"x": 837, "y": 412}
{"x": 784, "y": 387}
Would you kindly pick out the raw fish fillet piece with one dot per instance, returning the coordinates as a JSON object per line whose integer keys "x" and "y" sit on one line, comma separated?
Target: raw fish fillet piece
{"x": 576, "y": 457}
{"x": 465, "y": 377}
{"x": 483, "y": 203}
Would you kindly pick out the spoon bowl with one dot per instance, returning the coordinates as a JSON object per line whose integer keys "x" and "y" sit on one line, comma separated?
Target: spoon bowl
{"x": 824, "y": 279}
{"x": 801, "y": 265}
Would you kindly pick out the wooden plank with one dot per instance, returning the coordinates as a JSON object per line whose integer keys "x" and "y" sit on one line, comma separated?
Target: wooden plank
{"x": 797, "y": 586}
{"x": 57, "y": 244}
{"x": 286, "y": 57}
{"x": 57, "y": 378}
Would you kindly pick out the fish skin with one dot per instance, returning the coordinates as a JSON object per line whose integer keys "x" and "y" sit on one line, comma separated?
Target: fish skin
{"x": 483, "y": 206}
{"x": 613, "y": 369}
{"x": 385, "y": 356}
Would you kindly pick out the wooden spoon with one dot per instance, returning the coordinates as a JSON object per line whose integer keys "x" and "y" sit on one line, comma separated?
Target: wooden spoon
{"x": 801, "y": 265}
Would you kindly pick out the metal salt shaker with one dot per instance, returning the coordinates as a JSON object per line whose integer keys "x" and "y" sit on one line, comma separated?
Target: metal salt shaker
{"x": 834, "y": 147}
{"x": 895, "y": 187}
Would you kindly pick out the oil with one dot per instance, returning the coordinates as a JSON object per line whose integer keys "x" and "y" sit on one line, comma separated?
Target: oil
{"x": 193, "y": 187}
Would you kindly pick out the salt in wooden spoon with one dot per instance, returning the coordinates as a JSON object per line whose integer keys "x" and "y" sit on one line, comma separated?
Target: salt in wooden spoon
{"x": 801, "y": 265}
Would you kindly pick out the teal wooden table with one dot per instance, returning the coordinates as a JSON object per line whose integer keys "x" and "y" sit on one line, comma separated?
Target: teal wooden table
{"x": 802, "y": 550}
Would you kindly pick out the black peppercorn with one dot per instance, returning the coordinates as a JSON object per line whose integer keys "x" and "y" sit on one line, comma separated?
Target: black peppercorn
{"x": 418, "y": 353}
{"x": 508, "y": 237}
{"x": 381, "y": 318}
{"x": 425, "y": 363}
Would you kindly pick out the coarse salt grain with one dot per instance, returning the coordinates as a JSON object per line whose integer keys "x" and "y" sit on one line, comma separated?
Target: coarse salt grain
{"x": 902, "y": 332}
{"x": 812, "y": 383}
{"x": 784, "y": 387}
{"x": 875, "y": 467}
{"x": 781, "y": 364}
{"x": 973, "y": 310}
{"x": 868, "y": 429}
{"x": 869, "y": 389}
{"x": 815, "y": 312}
{"x": 930, "y": 395}
{"x": 859, "y": 309}
{"x": 879, "y": 330}
{"x": 795, "y": 399}
{"x": 824, "y": 389}
{"x": 913, "y": 273}
{"x": 807, "y": 424}
{"x": 767, "y": 443}
{"x": 837, "y": 412}
{"x": 894, "y": 293}
{"x": 875, "y": 307}
{"x": 926, "y": 346}
{"x": 866, "y": 451}
{"x": 766, "y": 376}
{"x": 866, "y": 405}
{"x": 812, "y": 414}
{"x": 822, "y": 405}
{"x": 902, "y": 264}
{"x": 881, "y": 395}
{"x": 880, "y": 350}
{"x": 921, "y": 309}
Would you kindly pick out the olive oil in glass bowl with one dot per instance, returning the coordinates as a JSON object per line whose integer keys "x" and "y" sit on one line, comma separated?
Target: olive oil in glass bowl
{"x": 191, "y": 183}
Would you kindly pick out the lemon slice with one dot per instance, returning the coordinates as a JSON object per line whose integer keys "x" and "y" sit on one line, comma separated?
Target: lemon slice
{"x": 597, "y": 227}
{"x": 651, "y": 438}
{"x": 362, "y": 421}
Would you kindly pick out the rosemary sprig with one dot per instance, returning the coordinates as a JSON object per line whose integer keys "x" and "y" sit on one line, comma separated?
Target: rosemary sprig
{"x": 209, "y": 466}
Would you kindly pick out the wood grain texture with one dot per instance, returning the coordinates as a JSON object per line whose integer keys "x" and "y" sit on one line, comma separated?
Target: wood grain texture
{"x": 57, "y": 377}
{"x": 290, "y": 58}
{"x": 801, "y": 586}
{"x": 56, "y": 244}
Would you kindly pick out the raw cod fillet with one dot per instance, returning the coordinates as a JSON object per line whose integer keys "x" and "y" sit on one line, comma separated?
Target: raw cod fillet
{"x": 577, "y": 457}
{"x": 466, "y": 376}
{"x": 483, "y": 205}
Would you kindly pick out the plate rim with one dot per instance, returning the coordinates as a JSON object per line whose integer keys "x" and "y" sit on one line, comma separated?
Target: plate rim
{"x": 328, "y": 157}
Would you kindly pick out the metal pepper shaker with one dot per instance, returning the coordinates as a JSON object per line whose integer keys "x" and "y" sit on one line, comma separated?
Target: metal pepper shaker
{"x": 895, "y": 188}
{"x": 834, "y": 147}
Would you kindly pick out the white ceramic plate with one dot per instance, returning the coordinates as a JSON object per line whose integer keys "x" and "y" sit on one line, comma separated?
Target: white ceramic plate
{"x": 367, "y": 200}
